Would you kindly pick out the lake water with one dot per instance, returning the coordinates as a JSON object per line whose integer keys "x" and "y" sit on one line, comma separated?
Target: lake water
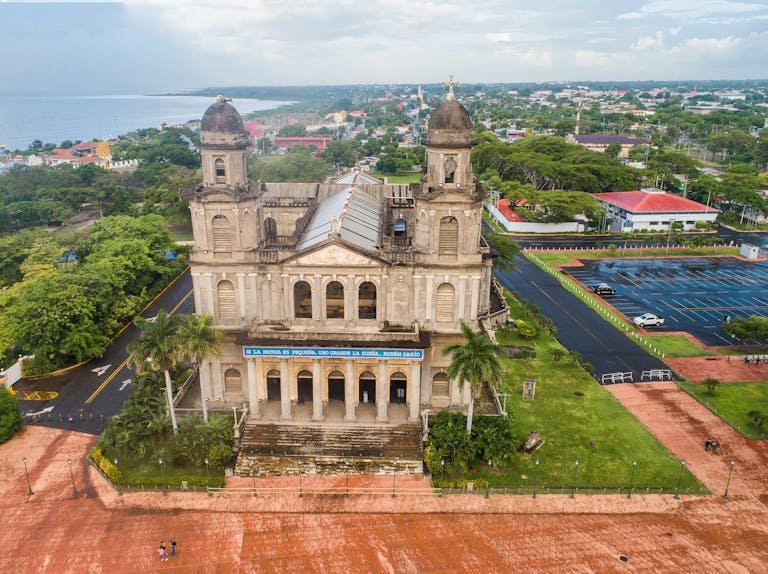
{"x": 51, "y": 118}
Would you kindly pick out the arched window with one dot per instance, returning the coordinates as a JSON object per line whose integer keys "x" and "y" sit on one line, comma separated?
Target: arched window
{"x": 302, "y": 300}
{"x": 449, "y": 235}
{"x": 367, "y": 300}
{"x": 450, "y": 169}
{"x": 222, "y": 234}
{"x": 440, "y": 386}
{"x": 270, "y": 229}
{"x": 232, "y": 381}
{"x": 225, "y": 296}
{"x": 334, "y": 300}
{"x": 221, "y": 173}
{"x": 444, "y": 303}
{"x": 400, "y": 227}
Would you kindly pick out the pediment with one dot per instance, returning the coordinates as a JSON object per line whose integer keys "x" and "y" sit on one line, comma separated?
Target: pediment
{"x": 334, "y": 254}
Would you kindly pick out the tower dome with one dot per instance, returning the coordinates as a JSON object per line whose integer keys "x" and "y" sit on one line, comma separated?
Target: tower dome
{"x": 449, "y": 125}
{"x": 222, "y": 125}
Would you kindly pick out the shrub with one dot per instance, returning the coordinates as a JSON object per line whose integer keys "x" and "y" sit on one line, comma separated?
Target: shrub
{"x": 219, "y": 455}
{"x": 711, "y": 385}
{"x": 196, "y": 439}
{"x": 525, "y": 330}
{"x": 10, "y": 417}
{"x": 106, "y": 465}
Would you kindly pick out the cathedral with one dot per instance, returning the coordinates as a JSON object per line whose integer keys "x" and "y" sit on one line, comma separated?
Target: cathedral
{"x": 338, "y": 299}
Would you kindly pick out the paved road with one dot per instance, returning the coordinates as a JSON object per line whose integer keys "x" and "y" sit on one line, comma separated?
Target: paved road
{"x": 579, "y": 328}
{"x": 90, "y": 394}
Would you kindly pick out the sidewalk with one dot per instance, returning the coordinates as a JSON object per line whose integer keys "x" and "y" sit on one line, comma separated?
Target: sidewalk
{"x": 52, "y": 532}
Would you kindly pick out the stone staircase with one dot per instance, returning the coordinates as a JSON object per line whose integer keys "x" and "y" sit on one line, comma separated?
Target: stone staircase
{"x": 322, "y": 448}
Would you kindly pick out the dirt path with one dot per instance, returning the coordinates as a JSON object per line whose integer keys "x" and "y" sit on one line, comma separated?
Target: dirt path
{"x": 682, "y": 424}
{"x": 52, "y": 532}
{"x": 726, "y": 369}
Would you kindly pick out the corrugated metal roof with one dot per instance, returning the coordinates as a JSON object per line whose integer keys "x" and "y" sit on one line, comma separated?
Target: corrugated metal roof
{"x": 358, "y": 178}
{"x": 353, "y": 213}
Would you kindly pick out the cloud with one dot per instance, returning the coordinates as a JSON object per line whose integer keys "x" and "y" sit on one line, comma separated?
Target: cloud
{"x": 693, "y": 9}
{"x": 655, "y": 42}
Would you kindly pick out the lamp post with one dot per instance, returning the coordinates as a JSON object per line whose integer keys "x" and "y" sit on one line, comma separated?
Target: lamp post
{"x": 162, "y": 474}
{"x": 727, "y": 484}
{"x": 72, "y": 476}
{"x": 536, "y": 478}
{"x": 679, "y": 480}
{"x": 575, "y": 469}
{"x": 26, "y": 473}
{"x": 669, "y": 234}
{"x": 394, "y": 477}
{"x": 207, "y": 474}
{"x": 632, "y": 482}
{"x": 117, "y": 486}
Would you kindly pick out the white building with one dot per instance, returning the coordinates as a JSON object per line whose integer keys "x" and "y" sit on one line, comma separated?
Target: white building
{"x": 653, "y": 210}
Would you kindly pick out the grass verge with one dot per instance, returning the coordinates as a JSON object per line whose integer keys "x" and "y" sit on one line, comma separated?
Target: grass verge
{"x": 579, "y": 420}
{"x": 400, "y": 178}
{"x": 732, "y": 401}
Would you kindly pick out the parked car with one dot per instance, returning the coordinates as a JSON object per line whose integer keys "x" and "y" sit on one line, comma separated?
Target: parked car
{"x": 648, "y": 320}
{"x": 604, "y": 289}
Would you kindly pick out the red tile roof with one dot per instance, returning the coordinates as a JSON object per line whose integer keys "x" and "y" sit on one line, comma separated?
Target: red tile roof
{"x": 642, "y": 202}
{"x": 507, "y": 211}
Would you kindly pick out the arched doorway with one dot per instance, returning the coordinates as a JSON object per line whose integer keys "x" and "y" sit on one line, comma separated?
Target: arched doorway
{"x": 336, "y": 386}
{"x": 273, "y": 385}
{"x": 398, "y": 385}
{"x": 367, "y": 394}
{"x": 304, "y": 386}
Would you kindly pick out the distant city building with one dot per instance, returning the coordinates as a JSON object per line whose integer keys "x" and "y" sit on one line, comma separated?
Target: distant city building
{"x": 653, "y": 210}
{"x": 601, "y": 142}
{"x": 287, "y": 142}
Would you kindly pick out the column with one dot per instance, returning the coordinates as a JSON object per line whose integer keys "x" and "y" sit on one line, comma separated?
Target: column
{"x": 414, "y": 392}
{"x": 349, "y": 392}
{"x": 454, "y": 394}
{"x": 253, "y": 395}
{"x": 317, "y": 391}
{"x": 428, "y": 304}
{"x": 254, "y": 305}
{"x": 240, "y": 293}
{"x": 285, "y": 397}
{"x": 209, "y": 296}
{"x": 475, "y": 298}
{"x": 218, "y": 385}
{"x": 417, "y": 315}
{"x": 196, "y": 293}
{"x": 462, "y": 296}
{"x": 382, "y": 394}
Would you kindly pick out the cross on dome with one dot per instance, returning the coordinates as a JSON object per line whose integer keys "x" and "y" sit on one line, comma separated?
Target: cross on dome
{"x": 450, "y": 83}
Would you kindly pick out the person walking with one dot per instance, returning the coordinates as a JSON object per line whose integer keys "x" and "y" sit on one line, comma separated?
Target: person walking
{"x": 173, "y": 547}
{"x": 161, "y": 552}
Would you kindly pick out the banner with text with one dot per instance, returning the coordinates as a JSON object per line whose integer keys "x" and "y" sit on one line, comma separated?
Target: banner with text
{"x": 334, "y": 353}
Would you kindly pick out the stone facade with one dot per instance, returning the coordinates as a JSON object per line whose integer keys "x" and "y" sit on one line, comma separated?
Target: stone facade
{"x": 337, "y": 292}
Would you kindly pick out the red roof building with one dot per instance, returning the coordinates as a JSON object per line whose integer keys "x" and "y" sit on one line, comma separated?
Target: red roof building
{"x": 653, "y": 210}
{"x": 506, "y": 210}
{"x": 320, "y": 142}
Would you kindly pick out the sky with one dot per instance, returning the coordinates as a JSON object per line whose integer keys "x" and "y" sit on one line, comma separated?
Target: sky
{"x": 150, "y": 46}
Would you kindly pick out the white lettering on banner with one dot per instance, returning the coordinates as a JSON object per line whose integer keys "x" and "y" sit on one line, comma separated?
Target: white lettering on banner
{"x": 334, "y": 352}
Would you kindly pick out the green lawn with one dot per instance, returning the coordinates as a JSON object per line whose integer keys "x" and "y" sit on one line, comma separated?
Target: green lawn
{"x": 403, "y": 178}
{"x": 571, "y": 257}
{"x": 578, "y": 419}
{"x": 677, "y": 346}
{"x": 732, "y": 401}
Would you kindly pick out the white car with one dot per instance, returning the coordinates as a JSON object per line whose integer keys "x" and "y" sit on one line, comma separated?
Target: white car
{"x": 648, "y": 320}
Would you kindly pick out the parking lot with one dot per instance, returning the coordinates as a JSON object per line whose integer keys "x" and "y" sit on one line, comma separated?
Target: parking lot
{"x": 691, "y": 294}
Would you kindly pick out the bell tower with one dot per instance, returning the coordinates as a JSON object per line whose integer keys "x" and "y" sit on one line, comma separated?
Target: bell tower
{"x": 223, "y": 141}
{"x": 448, "y": 209}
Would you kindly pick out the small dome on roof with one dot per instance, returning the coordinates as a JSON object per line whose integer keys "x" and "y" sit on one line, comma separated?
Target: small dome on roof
{"x": 450, "y": 115}
{"x": 222, "y": 117}
{"x": 222, "y": 124}
{"x": 449, "y": 125}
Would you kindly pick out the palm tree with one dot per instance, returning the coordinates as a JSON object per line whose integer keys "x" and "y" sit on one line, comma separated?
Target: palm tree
{"x": 157, "y": 349}
{"x": 475, "y": 362}
{"x": 198, "y": 339}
